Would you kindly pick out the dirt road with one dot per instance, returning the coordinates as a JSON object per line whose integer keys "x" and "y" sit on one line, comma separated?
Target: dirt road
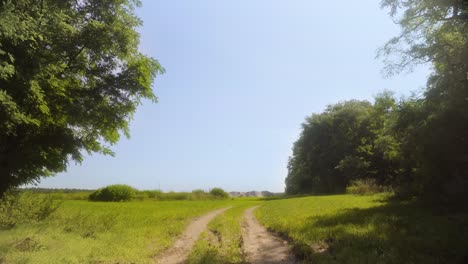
{"x": 181, "y": 248}
{"x": 260, "y": 246}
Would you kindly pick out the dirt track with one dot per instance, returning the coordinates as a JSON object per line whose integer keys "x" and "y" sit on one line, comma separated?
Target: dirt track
{"x": 260, "y": 246}
{"x": 181, "y": 248}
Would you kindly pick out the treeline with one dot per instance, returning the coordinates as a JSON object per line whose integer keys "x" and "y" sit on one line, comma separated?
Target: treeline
{"x": 417, "y": 145}
{"x": 122, "y": 192}
{"x": 56, "y": 190}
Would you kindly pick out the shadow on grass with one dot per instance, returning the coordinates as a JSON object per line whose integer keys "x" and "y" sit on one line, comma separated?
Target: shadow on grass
{"x": 282, "y": 197}
{"x": 397, "y": 232}
{"x": 292, "y": 196}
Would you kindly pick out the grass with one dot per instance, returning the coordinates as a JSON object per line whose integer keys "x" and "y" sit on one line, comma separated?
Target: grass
{"x": 222, "y": 243}
{"x": 97, "y": 232}
{"x": 367, "y": 229}
{"x": 323, "y": 229}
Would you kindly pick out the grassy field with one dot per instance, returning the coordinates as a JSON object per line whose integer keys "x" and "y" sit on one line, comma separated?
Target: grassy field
{"x": 323, "y": 229}
{"x": 96, "y": 232}
{"x": 222, "y": 243}
{"x": 367, "y": 229}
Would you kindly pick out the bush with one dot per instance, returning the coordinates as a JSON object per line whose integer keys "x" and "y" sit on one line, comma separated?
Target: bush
{"x": 114, "y": 193}
{"x": 154, "y": 194}
{"x": 219, "y": 193}
{"x": 200, "y": 195}
{"x": 364, "y": 187}
{"x": 23, "y": 207}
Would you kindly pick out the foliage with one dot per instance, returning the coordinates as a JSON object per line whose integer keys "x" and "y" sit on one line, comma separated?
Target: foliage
{"x": 195, "y": 195}
{"x": 25, "y": 207}
{"x": 62, "y": 194}
{"x": 432, "y": 128}
{"x": 219, "y": 193}
{"x": 71, "y": 77}
{"x": 431, "y": 31}
{"x": 417, "y": 145}
{"x": 348, "y": 141}
{"x": 157, "y": 195}
{"x": 367, "y": 229}
{"x": 364, "y": 187}
{"x": 200, "y": 195}
{"x": 114, "y": 193}
{"x": 149, "y": 194}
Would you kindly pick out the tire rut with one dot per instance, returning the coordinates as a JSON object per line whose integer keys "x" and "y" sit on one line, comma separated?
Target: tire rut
{"x": 262, "y": 247}
{"x": 179, "y": 251}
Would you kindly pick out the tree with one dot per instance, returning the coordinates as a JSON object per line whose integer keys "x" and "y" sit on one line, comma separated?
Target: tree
{"x": 325, "y": 157}
{"x": 435, "y": 126}
{"x": 419, "y": 145}
{"x": 350, "y": 141}
{"x": 432, "y": 31}
{"x": 71, "y": 77}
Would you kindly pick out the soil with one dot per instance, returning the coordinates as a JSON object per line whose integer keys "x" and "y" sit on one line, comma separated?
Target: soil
{"x": 262, "y": 247}
{"x": 181, "y": 248}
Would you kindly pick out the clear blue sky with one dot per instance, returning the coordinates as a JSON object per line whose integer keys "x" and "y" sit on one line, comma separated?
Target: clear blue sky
{"x": 241, "y": 77}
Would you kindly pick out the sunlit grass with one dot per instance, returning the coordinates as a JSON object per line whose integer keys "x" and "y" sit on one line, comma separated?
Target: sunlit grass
{"x": 93, "y": 232}
{"x": 367, "y": 229}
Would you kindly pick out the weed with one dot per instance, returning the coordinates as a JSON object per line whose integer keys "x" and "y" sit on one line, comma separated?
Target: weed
{"x": 25, "y": 207}
{"x": 364, "y": 187}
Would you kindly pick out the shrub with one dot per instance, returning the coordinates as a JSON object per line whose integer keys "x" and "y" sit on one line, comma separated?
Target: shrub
{"x": 23, "y": 207}
{"x": 200, "y": 195}
{"x": 364, "y": 186}
{"x": 114, "y": 193}
{"x": 154, "y": 194}
{"x": 219, "y": 193}
{"x": 198, "y": 192}
{"x": 175, "y": 196}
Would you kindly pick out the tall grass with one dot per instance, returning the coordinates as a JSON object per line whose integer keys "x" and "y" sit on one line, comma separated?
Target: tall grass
{"x": 25, "y": 207}
{"x": 364, "y": 187}
{"x": 90, "y": 232}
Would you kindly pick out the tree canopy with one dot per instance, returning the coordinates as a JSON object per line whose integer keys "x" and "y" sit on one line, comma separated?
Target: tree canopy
{"x": 417, "y": 145}
{"x": 71, "y": 77}
{"x": 348, "y": 141}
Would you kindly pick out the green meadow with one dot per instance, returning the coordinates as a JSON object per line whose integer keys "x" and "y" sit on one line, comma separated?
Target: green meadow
{"x": 322, "y": 229}
{"x": 101, "y": 232}
{"x": 368, "y": 229}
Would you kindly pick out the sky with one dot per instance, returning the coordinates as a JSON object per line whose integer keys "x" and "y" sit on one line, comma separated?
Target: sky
{"x": 240, "y": 78}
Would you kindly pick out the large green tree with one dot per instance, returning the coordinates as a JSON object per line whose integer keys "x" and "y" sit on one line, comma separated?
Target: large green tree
{"x": 348, "y": 141}
{"x": 325, "y": 157}
{"x": 71, "y": 76}
{"x": 418, "y": 145}
{"x": 433, "y": 128}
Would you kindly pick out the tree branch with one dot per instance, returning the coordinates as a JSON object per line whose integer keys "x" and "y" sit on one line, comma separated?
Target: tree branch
{"x": 71, "y": 59}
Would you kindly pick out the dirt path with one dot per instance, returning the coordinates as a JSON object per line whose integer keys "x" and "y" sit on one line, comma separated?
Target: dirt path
{"x": 181, "y": 248}
{"x": 261, "y": 247}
